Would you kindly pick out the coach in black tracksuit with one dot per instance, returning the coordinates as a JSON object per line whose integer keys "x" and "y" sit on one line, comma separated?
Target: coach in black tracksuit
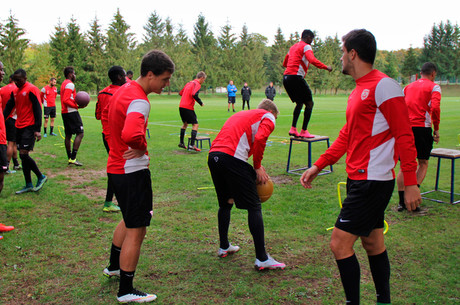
{"x": 246, "y": 94}
{"x": 270, "y": 92}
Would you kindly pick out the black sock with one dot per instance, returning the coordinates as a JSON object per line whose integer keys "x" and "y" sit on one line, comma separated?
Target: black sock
{"x": 114, "y": 263}
{"x": 126, "y": 282}
{"x": 69, "y": 154}
{"x": 26, "y": 168}
{"x": 401, "y": 199}
{"x": 15, "y": 162}
{"x": 193, "y": 137}
{"x": 350, "y": 276}
{"x": 223, "y": 217}
{"x": 182, "y": 135}
{"x": 44, "y": 130}
{"x": 51, "y": 129}
{"x": 256, "y": 226}
{"x": 33, "y": 167}
{"x": 73, "y": 156}
{"x": 380, "y": 268}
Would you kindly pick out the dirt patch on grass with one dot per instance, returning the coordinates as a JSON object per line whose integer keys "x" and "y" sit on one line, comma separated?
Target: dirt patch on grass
{"x": 285, "y": 179}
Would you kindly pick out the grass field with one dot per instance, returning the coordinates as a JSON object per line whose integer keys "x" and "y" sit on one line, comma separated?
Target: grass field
{"x": 62, "y": 238}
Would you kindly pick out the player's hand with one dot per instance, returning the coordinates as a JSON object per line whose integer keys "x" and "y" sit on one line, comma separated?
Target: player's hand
{"x": 436, "y": 136}
{"x": 308, "y": 176}
{"x": 38, "y": 135}
{"x": 133, "y": 153}
{"x": 329, "y": 68}
{"x": 202, "y": 104}
{"x": 262, "y": 175}
{"x": 412, "y": 197}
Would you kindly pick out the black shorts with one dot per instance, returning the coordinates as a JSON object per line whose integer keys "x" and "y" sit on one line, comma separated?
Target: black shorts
{"x": 188, "y": 116}
{"x": 231, "y": 99}
{"x": 234, "y": 178}
{"x": 364, "y": 208}
{"x": 72, "y": 123}
{"x": 10, "y": 126}
{"x": 297, "y": 89}
{"x": 25, "y": 138}
{"x": 49, "y": 112}
{"x": 134, "y": 195}
{"x": 3, "y": 158}
{"x": 423, "y": 137}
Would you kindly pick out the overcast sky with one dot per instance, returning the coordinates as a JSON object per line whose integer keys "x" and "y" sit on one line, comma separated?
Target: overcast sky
{"x": 396, "y": 24}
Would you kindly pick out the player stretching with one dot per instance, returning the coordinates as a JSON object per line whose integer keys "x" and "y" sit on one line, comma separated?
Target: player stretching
{"x": 296, "y": 62}
{"x": 48, "y": 95}
{"x": 423, "y": 99}
{"x": 187, "y": 109}
{"x": 70, "y": 116}
{"x": 128, "y": 169}
{"x": 26, "y": 99}
{"x": 118, "y": 77}
{"x": 244, "y": 134}
{"x": 376, "y": 133}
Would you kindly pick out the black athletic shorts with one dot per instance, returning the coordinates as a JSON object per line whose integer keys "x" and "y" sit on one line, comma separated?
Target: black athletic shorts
{"x": 188, "y": 116}
{"x": 364, "y": 208}
{"x": 423, "y": 137}
{"x": 49, "y": 112}
{"x": 234, "y": 178}
{"x": 10, "y": 126}
{"x": 231, "y": 99}
{"x": 297, "y": 89}
{"x": 3, "y": 158}
{"x": 25, "y": 138}
{"x": 72, "y": 123}
{"x": 134, "y": 195}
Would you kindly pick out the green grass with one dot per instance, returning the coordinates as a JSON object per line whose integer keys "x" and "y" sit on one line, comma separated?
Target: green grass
{"x": 62, "y": 237}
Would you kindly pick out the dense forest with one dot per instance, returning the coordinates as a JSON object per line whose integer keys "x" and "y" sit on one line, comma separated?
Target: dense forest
{"x": 241, "y": 57}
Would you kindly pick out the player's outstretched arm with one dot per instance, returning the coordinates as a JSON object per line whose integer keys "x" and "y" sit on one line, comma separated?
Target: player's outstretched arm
{"x": 308, "y": 176}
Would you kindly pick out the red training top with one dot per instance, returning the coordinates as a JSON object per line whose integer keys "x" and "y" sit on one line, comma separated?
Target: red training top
{"x": 28, "y": 106}
{"x": 102, "y": 107}
{"x": 2, "y": 126}
{"x": 68, "y": 93}
{"x": 48, "y": 95}
{"x": 299, "y": 58}
{"x": 190, "y": 94}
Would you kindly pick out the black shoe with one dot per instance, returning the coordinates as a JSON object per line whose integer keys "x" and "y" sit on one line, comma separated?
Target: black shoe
{"x": 182, "y": 145}
{"x": 401, "y": 208}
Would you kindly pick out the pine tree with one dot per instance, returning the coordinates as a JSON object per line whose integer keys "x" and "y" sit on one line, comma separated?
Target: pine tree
{"x": 204, "y": 48}
{"x": 97, "y": 60}
{"x": 227, "y": 63}
{"x": 12, "y": 46}
{"x": 184, "y": 60}
{"x": 121, "y": 44}
{"x": 153, "y": 38}
{"x": 59, "y": 50}
{"x": 250, "y": 51}
{"x": 78, "y": 54}
{"x": 276, "y": 56}
{"x": 410, "y": 64}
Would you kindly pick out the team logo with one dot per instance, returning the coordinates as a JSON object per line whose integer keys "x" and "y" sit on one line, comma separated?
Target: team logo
{"x": 216, "y": 159}
{"x": 24, "y": 93}
{"x": 364, "y": 94}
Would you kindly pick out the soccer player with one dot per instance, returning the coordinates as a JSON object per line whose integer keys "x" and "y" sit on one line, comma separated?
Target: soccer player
{"x": 423, "y": 99}
{"x": 118, "y": 77}
{"x": 12, "y": 149}
{"x": 128, "y": 169}
{"x": 296, "y": 62}
{"x": 244, "y": 134}
{"x": 129, "y": 76}
{"x": 187, "y": 108}
{"x": 377, "y": 132}
{"x": 246, "y": 95}
{"x": 3, "y": 143}
{"x": 26, "y": 99}
{"x": 231, "y": 93}
{"x": 70, "y": 116}
{"x": 48, "y": 95}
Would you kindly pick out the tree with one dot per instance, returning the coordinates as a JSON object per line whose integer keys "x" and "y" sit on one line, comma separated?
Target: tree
{"x": 59, "y": 50}
{"x": 121, "y": 44}
{"x": 97, "y": 64}
{"x": 410, "y": 64}
{"x": 38, "y": 64}
{"x": 153, "y": 38}
{"x": 275, "y": 58}
{"x": 184, "y": 60}
{"x": 391, "y": 68}
{"x": 12, "y": 46}
{"x": 227, "y": 61}
{"x": 204, "y": 48}
{"x": 78, "y": 54}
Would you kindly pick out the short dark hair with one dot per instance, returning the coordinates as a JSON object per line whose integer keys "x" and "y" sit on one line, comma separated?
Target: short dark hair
{"x": 114, "y": 72}
{"x": 52, "y": 78}
{"x": 156, "y": 61}
{"x": 201, "y": 74}
{"x": 363, "y": 42}
{"x": 20, "y": 72}
{"x": 307, "y": 33}
{"x": 428, "y": 68}
{"x": 129, "y": 72}
{"x": 68, "y": 70}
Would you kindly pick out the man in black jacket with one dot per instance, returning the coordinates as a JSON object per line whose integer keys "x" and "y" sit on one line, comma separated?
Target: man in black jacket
{"x": 246, "y": 95}
{"x": 270, "y": 92}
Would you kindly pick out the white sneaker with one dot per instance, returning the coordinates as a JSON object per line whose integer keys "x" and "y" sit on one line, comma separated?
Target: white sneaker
{"x": 136, "y": 296}
{"x": 270, "y": 263}
{"x": 230, "y": 250}
{"x": 109, "y": 273}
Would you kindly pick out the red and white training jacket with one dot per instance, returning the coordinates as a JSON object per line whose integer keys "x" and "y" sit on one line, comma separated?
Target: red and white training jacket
{"x": 423, "y": 99}
{"x": 244, "y": 134}
{"x": 48, "y": 95}
{"x": 299, "y": 58}
{"x": 68, "y": 94}
{"x": 128, "y": 117}
{"x": 102, "y": 106}
{"x": 377, "y": 132}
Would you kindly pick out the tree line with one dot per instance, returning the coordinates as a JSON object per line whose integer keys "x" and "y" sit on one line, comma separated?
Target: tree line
{"x": 243, "y": 57}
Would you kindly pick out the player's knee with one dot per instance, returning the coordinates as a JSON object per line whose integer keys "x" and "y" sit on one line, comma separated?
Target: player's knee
{"x": 309, "y": 105}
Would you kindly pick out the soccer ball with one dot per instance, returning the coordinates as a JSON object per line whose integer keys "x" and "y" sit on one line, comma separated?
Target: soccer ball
{"x": 265, "y": 190}
{"x": 82, "y": 99}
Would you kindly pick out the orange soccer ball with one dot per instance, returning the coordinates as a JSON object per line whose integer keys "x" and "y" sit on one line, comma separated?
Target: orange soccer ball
{"x": 265, "y": 190}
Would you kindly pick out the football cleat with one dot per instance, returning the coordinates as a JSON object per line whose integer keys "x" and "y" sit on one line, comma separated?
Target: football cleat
{"x": 230, "y": 250}
{"x": 270, "y": 263}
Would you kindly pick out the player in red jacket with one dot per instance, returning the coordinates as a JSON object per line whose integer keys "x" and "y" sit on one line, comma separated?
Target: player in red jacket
{"x": 189, "y": 95}
{"x": 128, "y": 169}
{"x": 3, "y": 143}
{"x": 296, "y": 62}
{"x": 243, "y": 135}
{"x": 376, "y": 133}
{"x": 423, "y": 99}
{"x": 48, "y": 96}
{"x": 117, "y": 76}
{"x": 26, "y": 99}
{"x": 70, "y": 116}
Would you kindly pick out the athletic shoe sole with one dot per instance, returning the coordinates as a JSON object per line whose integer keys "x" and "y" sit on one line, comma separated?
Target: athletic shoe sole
{"x": 109, "y": 274}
